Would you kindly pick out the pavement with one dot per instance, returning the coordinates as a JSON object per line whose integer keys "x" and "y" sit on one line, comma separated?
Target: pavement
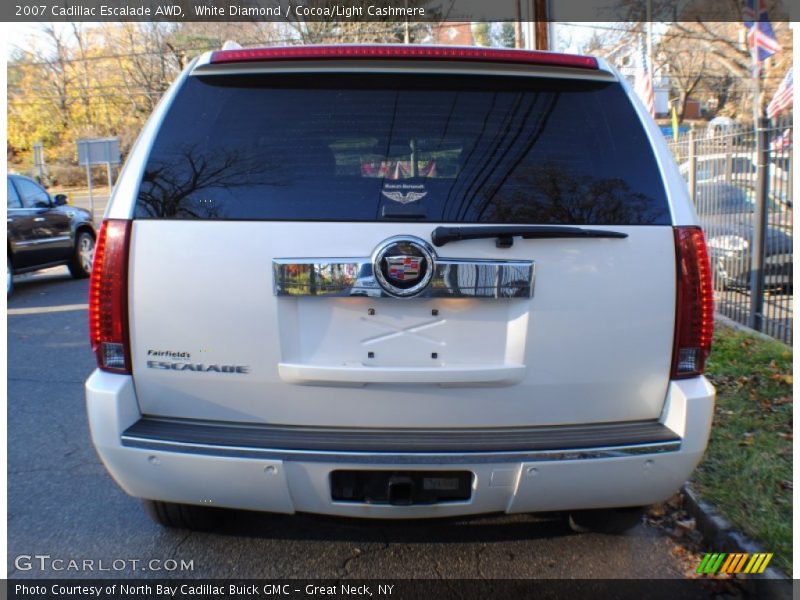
{"x": 62, "y": 503}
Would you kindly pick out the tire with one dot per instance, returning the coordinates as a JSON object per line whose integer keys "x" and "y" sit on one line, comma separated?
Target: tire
{"x": 80, "y": 267}
{"x": 182, "y": 516}
{"x": 9, "y": 277}
{"x": 606, "y": 520}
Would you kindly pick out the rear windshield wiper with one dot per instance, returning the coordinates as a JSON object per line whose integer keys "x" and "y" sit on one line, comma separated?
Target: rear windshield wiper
{"x": 505, "y": 234}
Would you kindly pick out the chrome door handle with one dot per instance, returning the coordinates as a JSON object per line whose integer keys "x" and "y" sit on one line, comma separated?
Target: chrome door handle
{"x": 39, "y": 219}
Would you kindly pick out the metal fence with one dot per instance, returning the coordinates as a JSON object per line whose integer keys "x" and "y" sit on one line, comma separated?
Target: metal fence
{"x": 740, "y": 178}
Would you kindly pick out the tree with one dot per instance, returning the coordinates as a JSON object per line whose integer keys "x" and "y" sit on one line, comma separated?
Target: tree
{"x": 507, "y": 36}
{"x": 726, "y": 70}
{"x": 686, "y": 66}
{"x": 482, "y": 34}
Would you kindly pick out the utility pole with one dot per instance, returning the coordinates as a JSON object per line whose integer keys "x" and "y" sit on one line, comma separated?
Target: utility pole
{"x": 532, "y": 24}
{"x": 406, "y": 32}
{"x": 518, "y": 24}
{"x": 541, "y": 18}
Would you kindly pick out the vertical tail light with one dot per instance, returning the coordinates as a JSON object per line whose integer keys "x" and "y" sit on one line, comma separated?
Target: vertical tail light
{"x": 108, "y": 298}
{"x": 694, "y": 309}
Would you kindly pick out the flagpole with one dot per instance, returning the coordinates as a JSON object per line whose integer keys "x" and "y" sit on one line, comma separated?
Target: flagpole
{"x": 650, "y": 36}
{"x": 756, "y": 70}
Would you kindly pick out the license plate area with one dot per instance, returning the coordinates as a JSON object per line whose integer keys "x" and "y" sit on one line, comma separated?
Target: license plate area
{"x": 401, "y": 488}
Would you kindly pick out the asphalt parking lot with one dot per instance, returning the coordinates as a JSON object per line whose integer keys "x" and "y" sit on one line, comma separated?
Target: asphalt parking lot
{"x": 62, "y": 503}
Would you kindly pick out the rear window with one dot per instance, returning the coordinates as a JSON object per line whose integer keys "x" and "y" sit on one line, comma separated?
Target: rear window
{"x": 347, "y": 147}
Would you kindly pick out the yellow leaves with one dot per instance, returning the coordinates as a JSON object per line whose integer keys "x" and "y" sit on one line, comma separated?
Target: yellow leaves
{"x": 92, "y": 80}
{"x": 782, "y": 378}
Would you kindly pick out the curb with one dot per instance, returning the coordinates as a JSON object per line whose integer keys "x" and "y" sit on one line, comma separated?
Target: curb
{"x": 721, "y": 536}
{"x": 728, "y": 322}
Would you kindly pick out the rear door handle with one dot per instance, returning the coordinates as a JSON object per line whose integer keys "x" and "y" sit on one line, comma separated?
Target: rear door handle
{"x": 39, "y": 219}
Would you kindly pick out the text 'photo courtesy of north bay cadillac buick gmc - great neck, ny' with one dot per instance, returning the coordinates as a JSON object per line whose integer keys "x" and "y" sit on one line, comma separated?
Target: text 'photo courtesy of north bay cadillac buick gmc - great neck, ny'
{"x": 400, "y": 282}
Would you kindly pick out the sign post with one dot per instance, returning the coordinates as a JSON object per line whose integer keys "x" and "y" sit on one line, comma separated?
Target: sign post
{"x": 98, "y": 152}
{"x": 38, "y": 159}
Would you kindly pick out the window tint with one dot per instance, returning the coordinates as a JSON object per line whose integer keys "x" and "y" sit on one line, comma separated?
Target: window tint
{"x": 384, "y": 147}
{"x": 33, "y": 195}
{"x": 13, "y": 197}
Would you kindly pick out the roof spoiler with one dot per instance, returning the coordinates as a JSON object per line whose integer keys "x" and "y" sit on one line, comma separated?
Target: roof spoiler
{"x": 404, "y": 52}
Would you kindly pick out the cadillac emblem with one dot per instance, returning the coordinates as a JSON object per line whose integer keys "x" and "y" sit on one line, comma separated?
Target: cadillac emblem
{"x": 403, "y": 266}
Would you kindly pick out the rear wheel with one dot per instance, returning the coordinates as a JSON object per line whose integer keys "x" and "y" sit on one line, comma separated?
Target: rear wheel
{"x": 606, "y": 520}
{"x": 81, "y": 265}
{"x": 182, "y": 516}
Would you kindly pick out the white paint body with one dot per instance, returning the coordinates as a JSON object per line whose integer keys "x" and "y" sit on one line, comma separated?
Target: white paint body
{"x": 592, "y": 345}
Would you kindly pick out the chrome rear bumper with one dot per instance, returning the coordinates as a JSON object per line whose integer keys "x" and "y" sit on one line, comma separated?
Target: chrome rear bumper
{"x": 286, "y": 470}
{"x": 401, "y": 446}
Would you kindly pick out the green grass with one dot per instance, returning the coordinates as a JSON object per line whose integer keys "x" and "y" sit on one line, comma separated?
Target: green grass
{"x": 747, "y": 469}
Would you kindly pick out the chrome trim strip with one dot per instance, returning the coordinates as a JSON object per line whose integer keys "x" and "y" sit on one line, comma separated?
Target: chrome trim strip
{"x": 452, "y": 278}
{"x": 61, "y": 238}
{"x": 405, "y": 458}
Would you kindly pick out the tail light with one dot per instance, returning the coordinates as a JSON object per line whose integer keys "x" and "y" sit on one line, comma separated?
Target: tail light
{"x": 694, "y": 309}
{"x": 108, "y": 298}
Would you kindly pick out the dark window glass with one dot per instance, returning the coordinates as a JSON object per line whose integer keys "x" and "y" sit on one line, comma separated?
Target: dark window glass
{"x": 33, "y": 195}
{"x": 384, "y": 147}
{"x": 13, "y": 197}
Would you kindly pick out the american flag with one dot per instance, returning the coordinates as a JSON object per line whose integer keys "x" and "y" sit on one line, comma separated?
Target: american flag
{"x": 783, "y": 97}
{"x": 644, "y": 85}
{"x": 761, "y": 38}
{"x": 783, "y": 141}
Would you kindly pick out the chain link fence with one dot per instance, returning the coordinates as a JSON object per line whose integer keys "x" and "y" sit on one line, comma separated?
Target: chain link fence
{"x": 740, "y": 179}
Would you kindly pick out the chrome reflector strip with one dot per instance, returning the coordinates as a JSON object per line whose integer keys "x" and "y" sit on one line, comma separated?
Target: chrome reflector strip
{"x": 452, "y": 278}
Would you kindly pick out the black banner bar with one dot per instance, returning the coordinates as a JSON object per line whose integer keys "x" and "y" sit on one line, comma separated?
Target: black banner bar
{"x": 394, "y": 589}
{"x": 398, "y": 11}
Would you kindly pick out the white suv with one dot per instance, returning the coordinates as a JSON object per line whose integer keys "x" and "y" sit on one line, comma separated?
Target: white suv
{"x": 400, "y": 282}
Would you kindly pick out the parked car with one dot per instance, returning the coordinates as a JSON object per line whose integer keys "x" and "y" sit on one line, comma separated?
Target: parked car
{"x": 237, "y": 369}
{"x": 727, "y": 215}
{"x": 45, "y": 231}
{"x": 743, "y": 168}
{"x": 721, "y": 126}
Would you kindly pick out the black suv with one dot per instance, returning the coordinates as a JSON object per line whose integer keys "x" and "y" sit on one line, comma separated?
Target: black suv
{"x": 45, "y": 231}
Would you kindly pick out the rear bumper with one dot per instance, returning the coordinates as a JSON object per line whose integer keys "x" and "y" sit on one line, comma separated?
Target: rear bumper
{"x": 530, "y": 470}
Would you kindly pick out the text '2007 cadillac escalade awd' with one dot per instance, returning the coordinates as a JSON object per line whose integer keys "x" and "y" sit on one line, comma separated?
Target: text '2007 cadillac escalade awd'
{"x": 400, "y": 282}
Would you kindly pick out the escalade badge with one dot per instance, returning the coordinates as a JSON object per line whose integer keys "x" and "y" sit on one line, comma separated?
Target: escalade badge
{"x": 403, "y": 266}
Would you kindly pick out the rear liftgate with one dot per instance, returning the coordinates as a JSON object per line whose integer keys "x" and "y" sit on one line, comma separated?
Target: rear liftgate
{"x": 386, "y": 351}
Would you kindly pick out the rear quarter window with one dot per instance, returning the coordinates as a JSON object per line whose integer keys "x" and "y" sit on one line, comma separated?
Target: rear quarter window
{"x": 347, "y": 147}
